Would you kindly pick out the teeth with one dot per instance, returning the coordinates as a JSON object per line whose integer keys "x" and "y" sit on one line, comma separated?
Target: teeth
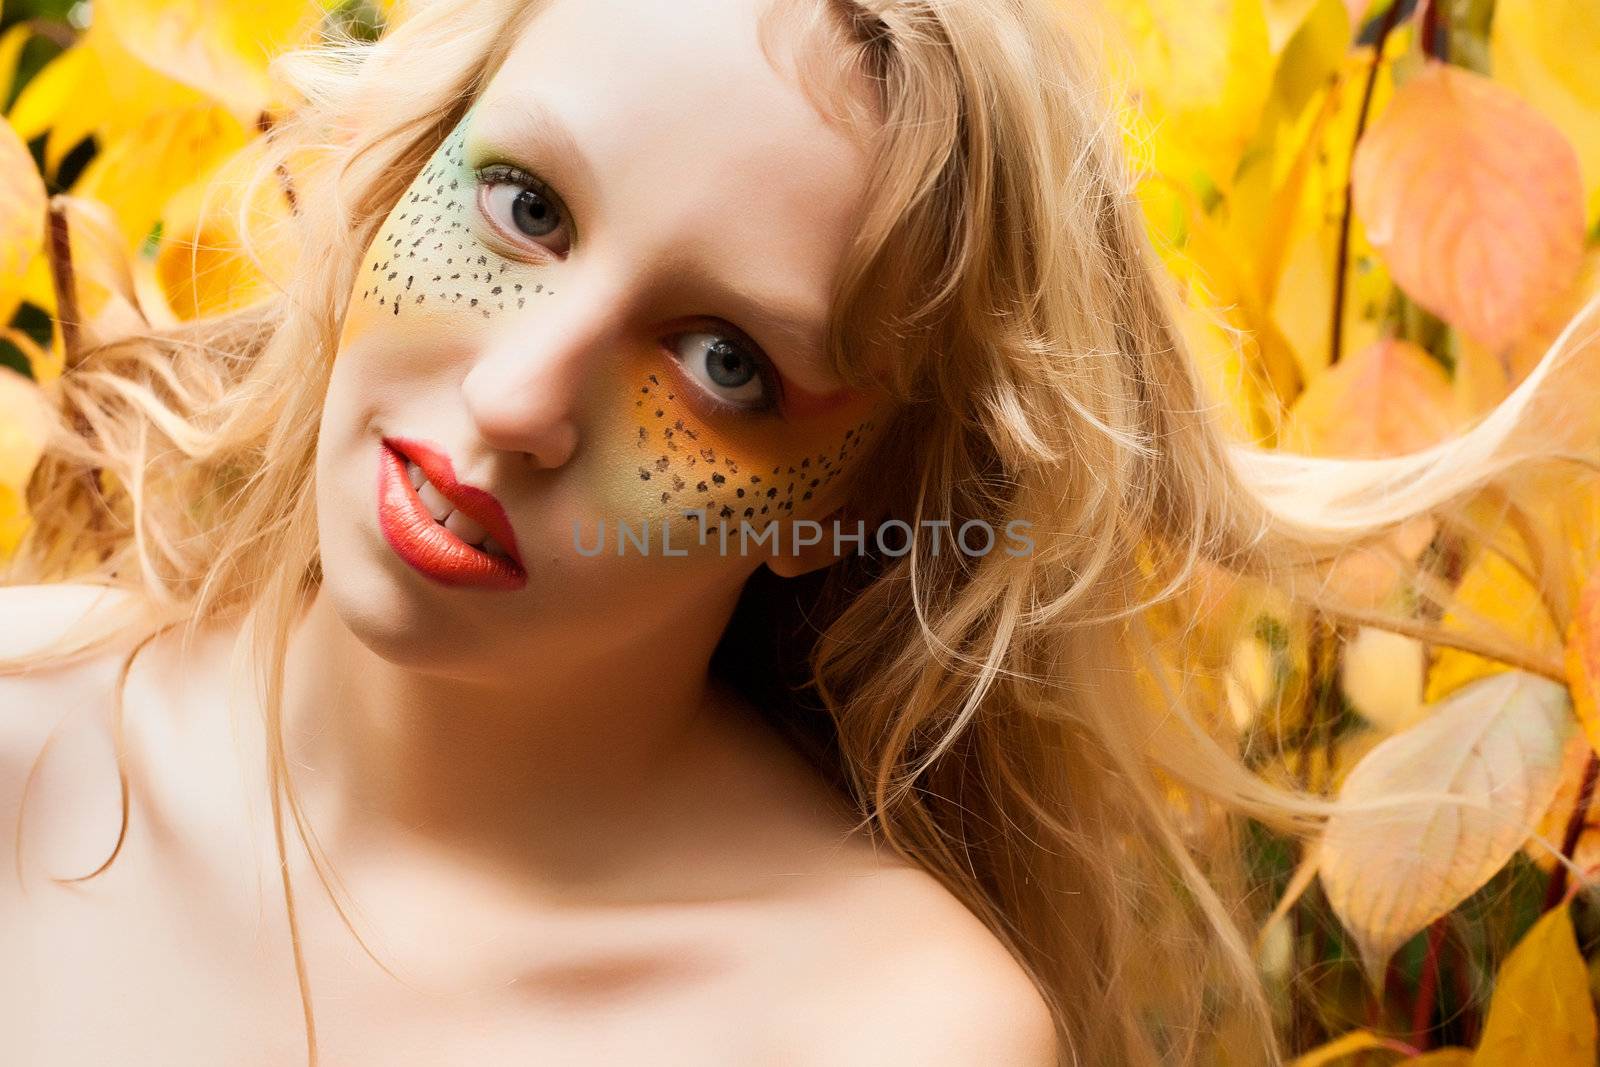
{"x": 434, "y": 501}
{"x": 446, "y": 515}
{"x": 464, "y": 528}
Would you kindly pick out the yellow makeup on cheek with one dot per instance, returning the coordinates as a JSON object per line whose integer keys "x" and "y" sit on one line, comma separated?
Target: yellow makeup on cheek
{"x": 732, "y": 467}
{"x": 427, "y": 259}
{"x": 658, "y": 447}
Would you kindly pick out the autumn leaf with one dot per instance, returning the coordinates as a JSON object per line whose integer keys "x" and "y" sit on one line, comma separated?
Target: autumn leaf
{"x": 1583, "y": 659}
{"x": 1400, "y": 853}
{"x": 23, "y": 421}
{"x": 94, "y": 88}
{"x": 1473, "y": 199}
{"x": 1341, "y": 1047}
{"x": 1541, "y": 1012}
{"x": 201, "y": 263}
{"x": 1553, "y": 827}
{"x": 11, "y": 44}
{"x": 22, "y": 209}
{"x": 1548, "y": 51}
{"x": 138, "y": 175}
{"x": 1271, "y": 178}
{"x": 1199, "y": 69}
{"x": 220, "y": 47}
{"x": 1515, "y": 598}
{"x": 1387, "y": 399}
{"x": 1309, "y": 222}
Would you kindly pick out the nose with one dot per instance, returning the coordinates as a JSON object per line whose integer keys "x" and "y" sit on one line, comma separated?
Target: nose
{"x": 524, "y": 388}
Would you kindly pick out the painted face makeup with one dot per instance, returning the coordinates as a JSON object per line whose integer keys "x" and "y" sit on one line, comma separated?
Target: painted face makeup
{"x": 661, "y": 432}
{"x": 428, "y": 251}
{"x": 737, "y": 468}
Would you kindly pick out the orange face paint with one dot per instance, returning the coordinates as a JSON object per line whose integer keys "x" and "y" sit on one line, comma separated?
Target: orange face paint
{"x": 734, "y": 468}
{"x": 652, "y": 445}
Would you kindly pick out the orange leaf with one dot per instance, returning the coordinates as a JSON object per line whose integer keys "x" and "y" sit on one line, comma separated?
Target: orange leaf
{"x": 1473, "y": 199}
{"x": 1389, "y": 398}
{"x": 1583, "y": 659}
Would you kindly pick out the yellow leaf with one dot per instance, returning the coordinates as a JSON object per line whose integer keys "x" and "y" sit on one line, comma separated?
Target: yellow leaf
{"x": 1340, "y": 1047}
{"x": 1443, "y": 1057}
{"x": 23, "y": 420}
{"x": 1400, "y": 853}
{"x": 46, "y": 101}
{"x": 1389, "y": 398}
{"x": 11, "y": 45}
{"x": 22, "y": 208}
{"x": 221, "y": 47}
{"x": 1271, "y": 179}
{"x": 1548, "y": 51}
{"x": 137, "y": 174}
{"x": 95, "y": 87}
{"x": 1300, "y": 241}
{"x": 1493, "y": 598}
{"x": 1199, "y": 68}
{"x": 1473, "y": 199}
{"x": 1541, "y": 1012}
{"x": 1583, "y": 659}
{"x": 1249, "y": 682}
{"x": 201, "y": 265}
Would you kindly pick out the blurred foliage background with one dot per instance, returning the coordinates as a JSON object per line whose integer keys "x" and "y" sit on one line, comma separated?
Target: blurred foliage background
{"x": 1380, "y": 215}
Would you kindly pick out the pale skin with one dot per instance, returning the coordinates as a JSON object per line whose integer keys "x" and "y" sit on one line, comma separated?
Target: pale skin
{"x": 566, "y": 840}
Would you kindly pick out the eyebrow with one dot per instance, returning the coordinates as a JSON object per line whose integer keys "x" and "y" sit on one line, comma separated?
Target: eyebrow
{"x": 528, "y": 120}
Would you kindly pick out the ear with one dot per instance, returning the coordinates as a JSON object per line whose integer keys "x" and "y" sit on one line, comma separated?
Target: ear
{"x": 792, "y": 564}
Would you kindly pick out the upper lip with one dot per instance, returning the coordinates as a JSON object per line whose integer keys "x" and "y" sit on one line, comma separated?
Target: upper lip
{"x": 479, "y": 505}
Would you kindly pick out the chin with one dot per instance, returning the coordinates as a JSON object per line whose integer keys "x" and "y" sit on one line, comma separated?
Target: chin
{"x": 396, "y": 613}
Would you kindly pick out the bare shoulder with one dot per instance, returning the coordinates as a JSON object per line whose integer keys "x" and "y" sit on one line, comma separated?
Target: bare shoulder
{"x": 34, "y": 616}
{"x": 42, "y": 708}
{"x": 916, "y": 977}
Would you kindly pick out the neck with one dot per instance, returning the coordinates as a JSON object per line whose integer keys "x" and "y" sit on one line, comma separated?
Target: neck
{"x": 547, "y": 762}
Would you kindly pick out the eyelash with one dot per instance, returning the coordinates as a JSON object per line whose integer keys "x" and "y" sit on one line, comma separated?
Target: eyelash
{"x": 771, "y": 384}
{"x": 506, "y": 174}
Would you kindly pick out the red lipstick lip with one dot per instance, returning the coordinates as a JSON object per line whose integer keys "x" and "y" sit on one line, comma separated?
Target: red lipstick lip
{"x": 479, "y": 505}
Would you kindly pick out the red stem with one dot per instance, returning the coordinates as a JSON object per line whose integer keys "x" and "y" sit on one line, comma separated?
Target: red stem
{"x": 1427, "y": 988}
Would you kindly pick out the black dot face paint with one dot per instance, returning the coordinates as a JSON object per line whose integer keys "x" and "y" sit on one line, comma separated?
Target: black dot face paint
{"x": 429, "y": 258}
{"x": 651, "y": 447}
{"x": 739, "y": 469}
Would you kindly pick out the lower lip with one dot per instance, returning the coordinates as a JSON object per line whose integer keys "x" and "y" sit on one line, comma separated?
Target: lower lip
{"x": 428, "y": 546}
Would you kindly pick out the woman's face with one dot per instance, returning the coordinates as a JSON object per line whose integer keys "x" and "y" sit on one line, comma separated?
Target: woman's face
{"x": 602, "y": 300}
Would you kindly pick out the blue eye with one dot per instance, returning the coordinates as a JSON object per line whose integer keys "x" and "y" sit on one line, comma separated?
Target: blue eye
{"x": 517, "y": 203}
{"x": 734, "y": 375}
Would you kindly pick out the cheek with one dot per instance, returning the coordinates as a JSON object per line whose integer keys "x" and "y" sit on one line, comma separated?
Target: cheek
{"x": 425, "y": 266}
{"x": 668, "y": 457}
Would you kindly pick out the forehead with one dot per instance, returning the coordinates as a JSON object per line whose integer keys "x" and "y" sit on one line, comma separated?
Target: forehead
{"x": 704, "y": 155}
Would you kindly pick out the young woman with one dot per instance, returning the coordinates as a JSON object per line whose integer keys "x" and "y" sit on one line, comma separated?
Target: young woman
{"x": 433, "y": 588}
